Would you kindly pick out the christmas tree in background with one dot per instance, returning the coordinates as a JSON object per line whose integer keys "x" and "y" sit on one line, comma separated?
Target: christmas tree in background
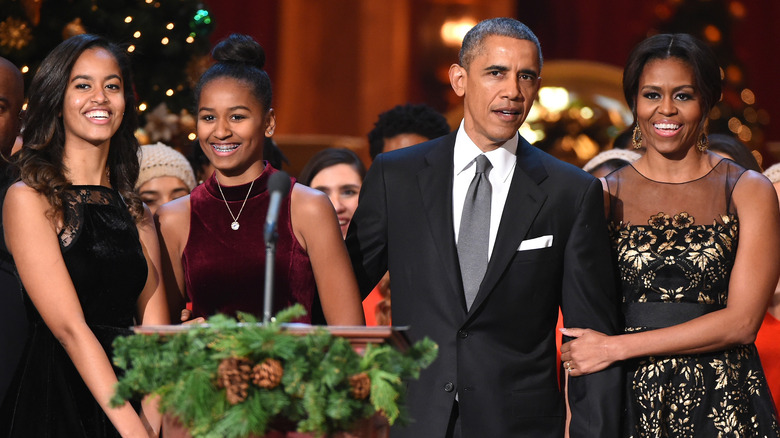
{"x": 167, "y": 41}
{"x": 713, "y": 22}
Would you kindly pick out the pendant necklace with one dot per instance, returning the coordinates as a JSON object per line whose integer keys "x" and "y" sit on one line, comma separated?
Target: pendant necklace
{"x": 234, "y": 225}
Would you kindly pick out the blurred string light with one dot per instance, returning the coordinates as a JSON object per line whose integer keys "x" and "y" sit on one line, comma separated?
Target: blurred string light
{"x": 573, "y": 123}
{"x": 453, "y": 31}
{"x": 554, "y": 98}
{"x": 202, "y": 16}
{"x": 172, "y": 36}
{"x": 748, "y": 97}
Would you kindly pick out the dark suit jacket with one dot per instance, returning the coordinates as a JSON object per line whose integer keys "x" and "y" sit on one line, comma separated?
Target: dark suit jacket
{"x": 500, "y": 356}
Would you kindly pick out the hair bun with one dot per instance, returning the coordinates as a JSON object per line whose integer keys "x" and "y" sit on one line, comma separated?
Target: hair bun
{"x": 238, "y": 48}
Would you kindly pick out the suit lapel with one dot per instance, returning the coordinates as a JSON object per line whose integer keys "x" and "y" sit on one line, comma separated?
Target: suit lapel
{"x": 435, "y": 182}
{"x": 523, "y": 202}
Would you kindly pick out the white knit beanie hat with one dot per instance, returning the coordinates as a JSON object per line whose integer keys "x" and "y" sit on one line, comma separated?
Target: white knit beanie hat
{"x": 773, "y": 173}
{"x": 611, "y": 154}
{"x": 162, "y": 160}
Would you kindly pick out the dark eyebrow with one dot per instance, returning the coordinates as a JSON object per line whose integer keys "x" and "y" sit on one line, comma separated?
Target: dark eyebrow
{"x": 89, "y": 78}
{"x": 674, "y": 90}
{"x": 503, "y": 69}
{"x": 232, "y": 108}
{"x": 496, "y": 68}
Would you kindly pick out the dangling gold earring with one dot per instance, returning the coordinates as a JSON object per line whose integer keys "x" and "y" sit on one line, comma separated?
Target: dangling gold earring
{"x": 636, "y": 140}
{"x": 703, "y": 143}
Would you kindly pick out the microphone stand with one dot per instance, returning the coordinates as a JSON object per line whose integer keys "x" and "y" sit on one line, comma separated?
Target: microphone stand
{"x": 270, "y": 259}
{"x": 278, "y": 186}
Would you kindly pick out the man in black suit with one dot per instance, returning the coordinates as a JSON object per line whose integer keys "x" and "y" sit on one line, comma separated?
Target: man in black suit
{"x": 422, "y": 215}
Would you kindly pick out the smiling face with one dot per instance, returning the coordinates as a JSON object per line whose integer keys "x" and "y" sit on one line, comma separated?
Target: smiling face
{"x": 232, "y": 126}
{"x": 94, "y": 101}
{"x": 668, "y": 106}
{"x": 341, "y": 182}
{"x": 499, "y": 86}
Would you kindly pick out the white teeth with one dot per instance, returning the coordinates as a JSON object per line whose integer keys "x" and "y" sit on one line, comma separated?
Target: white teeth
{"x": 671, "y": 126}
{"x": 97, "y": 114}
{"x": 224, "y": 147}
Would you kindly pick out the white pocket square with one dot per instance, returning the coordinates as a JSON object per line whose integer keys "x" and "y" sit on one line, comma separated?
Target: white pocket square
{"x": 536, "y": 243}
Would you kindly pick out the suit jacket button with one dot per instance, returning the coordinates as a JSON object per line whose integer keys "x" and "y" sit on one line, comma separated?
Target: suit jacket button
{"x": 449, "y": 386}
{"x": 463, "y": 334}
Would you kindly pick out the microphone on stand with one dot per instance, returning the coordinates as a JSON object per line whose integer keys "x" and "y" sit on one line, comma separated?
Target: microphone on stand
{"x": 279, "y": 187}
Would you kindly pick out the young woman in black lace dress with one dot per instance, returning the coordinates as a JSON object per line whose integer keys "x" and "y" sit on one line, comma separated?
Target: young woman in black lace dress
{"x": 697, "y": 241}
{"x": 84, "y": 247}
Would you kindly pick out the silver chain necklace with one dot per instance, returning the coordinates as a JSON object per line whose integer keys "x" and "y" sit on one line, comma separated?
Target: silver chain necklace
{"x": 234, "y": 225}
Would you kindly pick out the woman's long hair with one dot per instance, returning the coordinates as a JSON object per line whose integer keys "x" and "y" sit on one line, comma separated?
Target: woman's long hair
{"x": 40, "y": 161}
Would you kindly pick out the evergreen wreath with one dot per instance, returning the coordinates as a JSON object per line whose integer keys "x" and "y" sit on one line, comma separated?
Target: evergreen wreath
{"x": 232, "y": 379}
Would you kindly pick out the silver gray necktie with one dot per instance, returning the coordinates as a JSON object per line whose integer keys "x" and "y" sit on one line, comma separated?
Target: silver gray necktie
{"x": 474, "y": 233}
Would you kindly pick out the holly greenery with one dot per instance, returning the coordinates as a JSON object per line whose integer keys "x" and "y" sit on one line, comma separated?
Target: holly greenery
{"x": 322, "y": 381}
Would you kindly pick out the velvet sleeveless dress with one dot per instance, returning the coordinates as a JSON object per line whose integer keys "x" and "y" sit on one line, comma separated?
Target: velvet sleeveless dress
{"x": 676, "y": 245}
{"x": 103, "y": 255}
{"x": 224, "y": 269}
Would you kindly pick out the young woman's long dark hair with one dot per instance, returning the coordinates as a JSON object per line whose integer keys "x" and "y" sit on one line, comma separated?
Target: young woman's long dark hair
{"x": 40, "y": 160}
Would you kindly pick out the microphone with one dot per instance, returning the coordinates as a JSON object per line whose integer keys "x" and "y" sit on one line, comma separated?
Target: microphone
{"x": 279, "y": 187}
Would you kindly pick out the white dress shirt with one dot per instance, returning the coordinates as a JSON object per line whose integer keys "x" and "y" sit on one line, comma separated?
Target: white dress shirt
{"x": 503, "y": 160}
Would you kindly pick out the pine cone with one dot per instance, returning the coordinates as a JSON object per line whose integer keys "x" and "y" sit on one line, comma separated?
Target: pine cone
{"x": 233, "y": 374}
{"x": 267, "y": 374}
{"x": 361, "y": 386}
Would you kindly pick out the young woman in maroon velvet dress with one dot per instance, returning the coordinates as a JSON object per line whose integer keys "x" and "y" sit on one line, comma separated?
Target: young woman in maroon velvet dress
{"x": 214, "y": 238}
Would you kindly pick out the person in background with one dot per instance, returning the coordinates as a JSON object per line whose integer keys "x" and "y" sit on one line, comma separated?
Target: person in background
{"x": 200, "y": 163}
{"x": 339, "y": 174}
{"x": 607, "y": 161}
{"x": 84, "y": 246}
{"x": 397, "y": 128}
{"x": 405, "y": 125}
{"x": 768, "y": 338}
{"x": 730, "y": 147}
{"x": 623, "y": 141}
{"x": 485, "y": 237}
{"x": 165, "y": 175}
{"x": 273, "y": 154}
{"x": 13, "y": 324}
{"x": 214, "y": 250}
{"x": 697, "y": 243}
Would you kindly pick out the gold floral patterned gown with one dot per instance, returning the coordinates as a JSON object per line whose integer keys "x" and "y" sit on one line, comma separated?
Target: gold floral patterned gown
{"x": 675, "y": 246}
